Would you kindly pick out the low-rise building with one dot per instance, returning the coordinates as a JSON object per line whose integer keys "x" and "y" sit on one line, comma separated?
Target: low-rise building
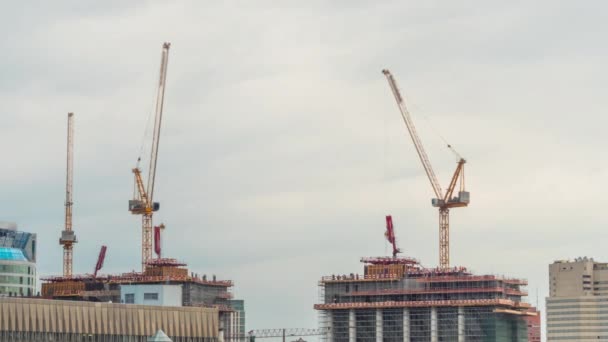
{"x": 30, "y": 319}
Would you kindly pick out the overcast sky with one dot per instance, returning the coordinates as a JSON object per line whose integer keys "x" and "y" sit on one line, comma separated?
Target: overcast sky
{"x": 282, "y": 148}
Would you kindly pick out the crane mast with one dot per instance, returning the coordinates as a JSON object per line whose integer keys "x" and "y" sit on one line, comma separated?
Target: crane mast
{"x": 68, "y": 239}
{"x": 443, "y": 201}
{"x": 143, "y": 203}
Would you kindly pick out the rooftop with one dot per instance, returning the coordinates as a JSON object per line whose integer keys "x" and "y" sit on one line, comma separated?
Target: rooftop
{"x": 12, "y": 254}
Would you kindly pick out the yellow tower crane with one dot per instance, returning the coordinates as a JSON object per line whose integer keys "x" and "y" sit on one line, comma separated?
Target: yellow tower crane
{"x": 443, "y": 201}
{"x": 143, "y": 201}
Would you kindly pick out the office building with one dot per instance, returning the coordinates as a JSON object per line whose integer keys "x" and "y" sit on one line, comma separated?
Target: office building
{"x": 577, "y": 306}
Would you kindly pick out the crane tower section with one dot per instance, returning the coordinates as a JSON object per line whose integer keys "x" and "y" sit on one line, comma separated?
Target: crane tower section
{"x": 442, "y": 201}
{"x": 143, "y": 199}
{"x": 68, "y": 238}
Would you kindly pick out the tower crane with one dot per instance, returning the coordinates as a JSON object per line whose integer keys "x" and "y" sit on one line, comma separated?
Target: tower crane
{"x": 442, "y": 201}
{"x": 143, "y": 201}
{"x": 68, "y": 239}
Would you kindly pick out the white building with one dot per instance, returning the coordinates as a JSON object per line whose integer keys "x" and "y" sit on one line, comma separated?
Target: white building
{"x": 151, "y": 294}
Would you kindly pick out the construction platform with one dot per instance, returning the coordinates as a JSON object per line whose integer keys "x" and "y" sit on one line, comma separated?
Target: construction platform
{"x": 197, "y": 290}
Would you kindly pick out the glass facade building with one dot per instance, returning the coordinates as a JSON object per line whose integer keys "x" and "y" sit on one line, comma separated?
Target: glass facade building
{"x": 17, "y": 261}
{"x": 238, "y": 305}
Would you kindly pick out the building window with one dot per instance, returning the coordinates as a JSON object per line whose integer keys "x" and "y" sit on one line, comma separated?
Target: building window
{"x": 150, "y": 296}
{"x": 130, "y": 298}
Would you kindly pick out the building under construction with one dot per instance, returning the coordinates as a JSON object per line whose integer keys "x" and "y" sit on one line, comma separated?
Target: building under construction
{"x": 193, "y": 290}
{"x": 396, "y": 299}
{"x": 163, "y": 282}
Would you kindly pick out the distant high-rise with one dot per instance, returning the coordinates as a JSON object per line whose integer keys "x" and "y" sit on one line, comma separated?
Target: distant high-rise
{"x": 577, "y": 305}
{"x": 17, "y": 261}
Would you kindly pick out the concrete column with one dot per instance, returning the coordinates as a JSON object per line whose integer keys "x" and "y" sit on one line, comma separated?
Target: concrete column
{"x": 406, "y": 325}
{"x": 352, "y": 326}
{"x": 221, "y": 329}
{"x": 434, "y": 337}
{"x": 234, "y": 329}
{"x": 379, "y": 331}
{"x": 461, "y": 324}
{"x": 329, "y": 316}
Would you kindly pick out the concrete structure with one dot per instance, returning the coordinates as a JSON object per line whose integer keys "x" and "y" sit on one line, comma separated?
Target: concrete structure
{"x": 29, "y": 320}
{"x": 398, "y": 300}
{"x": 577, "y": 306}
{"x": 17, "y": 261}
{"x": 151, "y": 294}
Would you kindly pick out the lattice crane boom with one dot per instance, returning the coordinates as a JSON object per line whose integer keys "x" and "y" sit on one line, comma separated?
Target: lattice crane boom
{"x": 443, "y": 201}
{"x": 280, "y": 332}
{"x": 158, "y": 117}
{"x": 143, "y": 203}
{"x": 407, "y": 119}
{"x": 267, "y": 333}
{"x": 68, "y": 239}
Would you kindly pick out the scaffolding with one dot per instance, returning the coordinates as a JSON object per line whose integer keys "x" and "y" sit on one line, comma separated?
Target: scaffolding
{"x": 158, "y": 271}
